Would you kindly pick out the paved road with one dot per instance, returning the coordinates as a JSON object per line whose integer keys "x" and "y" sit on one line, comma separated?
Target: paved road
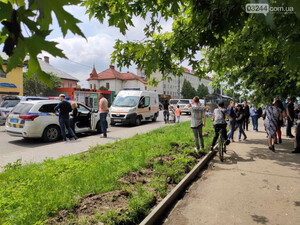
{"x": 35, "y": 150}
{"x": 253, "y": 186}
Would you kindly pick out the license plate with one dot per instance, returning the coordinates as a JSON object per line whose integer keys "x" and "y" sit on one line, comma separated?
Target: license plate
{"x": 117, "y": 120}
{"x": 14, "y": 120}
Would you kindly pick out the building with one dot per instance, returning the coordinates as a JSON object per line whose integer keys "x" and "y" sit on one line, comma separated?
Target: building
{"x": 89, "y": 97}
{"x": 173, "y": 87}
{"x": 113, "y": 80}
{"x": 10, "y": 83}
{"x": 67, "y": 80}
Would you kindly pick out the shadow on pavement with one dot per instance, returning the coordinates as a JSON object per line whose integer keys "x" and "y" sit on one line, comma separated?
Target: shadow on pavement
{"x": 282, "y": 155}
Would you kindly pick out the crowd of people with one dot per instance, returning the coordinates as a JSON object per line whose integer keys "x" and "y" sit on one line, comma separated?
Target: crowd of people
{"x": 275, "y": 116}
{"x": 68, "y": 116}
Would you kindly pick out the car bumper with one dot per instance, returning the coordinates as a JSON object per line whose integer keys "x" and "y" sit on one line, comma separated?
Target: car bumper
{"x": 127, "y": 119}
{"x": 2, "y": 120}
{"x": 29, "y": 131}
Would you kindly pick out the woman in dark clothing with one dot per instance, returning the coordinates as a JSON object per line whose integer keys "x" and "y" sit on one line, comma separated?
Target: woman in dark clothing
{"x": 74, "y": 115}
{"x": 246, "y": 112}
{"x": 280, "y": 122}
{"x": 166, "y": 111}
{"x": 239, "y": 120}
{"x": 231, "y": 113}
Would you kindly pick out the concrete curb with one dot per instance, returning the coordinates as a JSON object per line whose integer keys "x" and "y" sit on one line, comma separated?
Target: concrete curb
{"x": 158, "y": 211}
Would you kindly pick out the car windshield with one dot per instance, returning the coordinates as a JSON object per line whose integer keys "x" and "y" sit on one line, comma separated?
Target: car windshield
{"x": 184, "y": 102}
{"x": 22, "y": 108}
{"x": 126, "y": 101}
{"x": 10, "y": 103}
{"x": 173, "y": 101}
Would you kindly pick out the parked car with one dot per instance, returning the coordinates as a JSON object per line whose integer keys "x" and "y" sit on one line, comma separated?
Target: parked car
{"x": 182, "y": 103}
{"x": 37, "y": 119}
{"x": 9, "y": 102}
{"x": 133, "y": 106}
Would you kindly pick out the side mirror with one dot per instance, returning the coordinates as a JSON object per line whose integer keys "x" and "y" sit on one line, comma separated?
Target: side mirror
{"x": 141, "y": 105}
{"x": 95, "y": 110}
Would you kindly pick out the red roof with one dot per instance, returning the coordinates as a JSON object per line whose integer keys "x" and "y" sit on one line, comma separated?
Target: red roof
{"x": 94, "y": 72}
{"x": 186, "y": 70}
{"x": 131, "y": 76}
{"x": 112, "y": 74}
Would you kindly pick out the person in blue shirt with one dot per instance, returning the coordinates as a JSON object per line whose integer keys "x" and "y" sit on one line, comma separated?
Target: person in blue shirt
{"x": 64, "y": 108}
{"x": 232, "y": 114}
{"x": 254, "y": 116}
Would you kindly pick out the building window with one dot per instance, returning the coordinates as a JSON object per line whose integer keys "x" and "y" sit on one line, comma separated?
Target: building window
{"x": 91, "y": 86}
{"x": 107, "y": 86}
{"x": 95, "y": 86}
{"x": 2, "y": 74}
{"x": 69, "y": 84}
{"x": 62, "y": 85}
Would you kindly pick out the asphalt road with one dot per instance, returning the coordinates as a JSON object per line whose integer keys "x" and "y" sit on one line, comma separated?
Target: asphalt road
{"x": 35, "y": 150}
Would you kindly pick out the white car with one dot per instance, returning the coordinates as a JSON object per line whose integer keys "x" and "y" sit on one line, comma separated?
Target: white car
{"x": 37, "y": 119}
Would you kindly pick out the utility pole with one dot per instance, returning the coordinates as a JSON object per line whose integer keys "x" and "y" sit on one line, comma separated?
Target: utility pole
{"x": 37, "y": 91}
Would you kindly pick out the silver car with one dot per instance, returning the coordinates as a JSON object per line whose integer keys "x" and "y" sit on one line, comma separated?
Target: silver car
{"x": 9, "y": 102}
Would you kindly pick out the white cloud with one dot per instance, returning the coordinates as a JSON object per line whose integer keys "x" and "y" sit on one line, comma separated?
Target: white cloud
{"x": 96, "y": 50}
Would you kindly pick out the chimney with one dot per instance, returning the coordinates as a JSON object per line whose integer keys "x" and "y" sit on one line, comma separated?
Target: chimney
{"x": 112, "y": 67}
{"x": 46, "y": 59}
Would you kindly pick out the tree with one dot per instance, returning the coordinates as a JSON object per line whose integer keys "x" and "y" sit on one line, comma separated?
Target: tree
{"x": 187, "y": 90}
{"x": 103, "y": 88}
{"x": 29, "y": 84}
{"x": 202, "y": 91}
{"x": 26, "y": 25}
{"x": 213, "y": 25}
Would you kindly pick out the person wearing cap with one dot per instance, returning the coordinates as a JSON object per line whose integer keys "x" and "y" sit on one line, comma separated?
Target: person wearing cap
{"x": 64, "y": 108}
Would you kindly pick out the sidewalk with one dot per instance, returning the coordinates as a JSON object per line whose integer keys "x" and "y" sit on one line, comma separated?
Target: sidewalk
{"x": 253, "y": 186}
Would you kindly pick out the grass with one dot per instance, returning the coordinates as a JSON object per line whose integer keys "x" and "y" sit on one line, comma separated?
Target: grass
{"x": 33, "y": 193}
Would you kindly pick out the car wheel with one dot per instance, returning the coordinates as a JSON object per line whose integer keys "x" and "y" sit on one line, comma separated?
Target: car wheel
{"x": 154, "y": 118}
{"x": 51, "y": 133}
{"x": 138, "y": 121}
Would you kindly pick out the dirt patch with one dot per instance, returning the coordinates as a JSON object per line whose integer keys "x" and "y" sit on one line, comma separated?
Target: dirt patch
{"x": 142, "y": 176}
{"x": 92, "y": 204}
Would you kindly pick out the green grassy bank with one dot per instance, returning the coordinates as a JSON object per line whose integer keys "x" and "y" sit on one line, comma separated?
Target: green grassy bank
{"x": 33, "y": 193}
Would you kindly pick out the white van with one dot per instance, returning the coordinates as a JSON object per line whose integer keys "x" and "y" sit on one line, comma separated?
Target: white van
{"x": 133, "y": 106}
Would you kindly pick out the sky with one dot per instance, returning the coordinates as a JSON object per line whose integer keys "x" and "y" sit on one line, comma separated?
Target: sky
{"x": 96, "y": 49}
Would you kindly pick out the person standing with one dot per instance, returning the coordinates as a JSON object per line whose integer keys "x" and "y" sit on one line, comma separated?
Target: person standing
{"x": 246, "y": 112}
{"x": 178, "y": 113}
{"x": 231, "y": 113}
{"x": 74, "y": 115}
{"x": 254, "y": 116}
{"x": 290, "y": 117}
{"x": 64, "y": 108}
{"x": 240, "y": 120}
{"x": 197, "y": 115}
{"x": 273, "y": 115}
{"x": 280, "y": 122}
{"x": 297, "y": 139}
{"x": 166, "y": 111}
{"x": 103, "y": 109}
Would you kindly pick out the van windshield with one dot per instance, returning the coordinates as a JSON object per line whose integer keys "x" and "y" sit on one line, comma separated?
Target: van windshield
{"x": 184, "y": 101}
{"x": 126, "y": 101}
{"x": 173, "y": 101}
{"x": 9, "y": 103}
